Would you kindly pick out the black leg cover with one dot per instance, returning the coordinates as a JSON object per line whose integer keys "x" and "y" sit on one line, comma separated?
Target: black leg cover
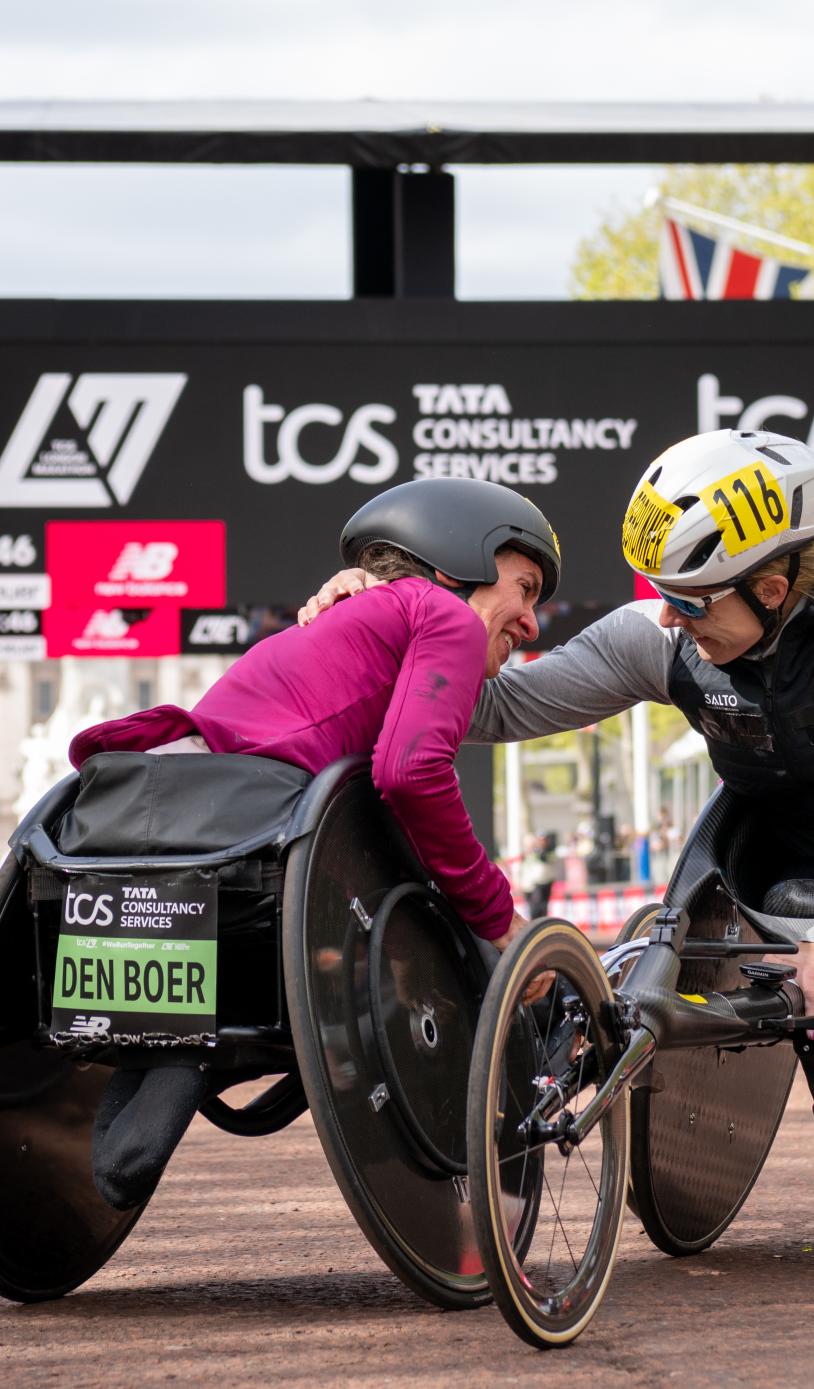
{"x": 140, "y": 1121}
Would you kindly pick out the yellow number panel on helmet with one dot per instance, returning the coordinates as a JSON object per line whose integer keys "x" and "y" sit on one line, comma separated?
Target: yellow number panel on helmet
{"x": 748, "y": 507}
{"x": 645, "y": 529}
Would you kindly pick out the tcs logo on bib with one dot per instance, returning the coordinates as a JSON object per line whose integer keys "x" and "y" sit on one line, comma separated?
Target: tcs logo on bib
{"x": 83, "y": 909}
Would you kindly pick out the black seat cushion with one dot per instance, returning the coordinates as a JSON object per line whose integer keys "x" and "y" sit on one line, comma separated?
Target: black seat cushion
{"x": 136, "y": 803}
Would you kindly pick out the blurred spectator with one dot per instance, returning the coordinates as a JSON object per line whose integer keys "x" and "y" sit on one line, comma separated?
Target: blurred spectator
{"x": 664, "y": 846}
{"x": 537, "y": 873}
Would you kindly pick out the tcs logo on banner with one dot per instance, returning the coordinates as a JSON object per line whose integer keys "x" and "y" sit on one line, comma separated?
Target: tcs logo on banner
{"x": 357, "y": 433}
{"x": 717, "y": 411}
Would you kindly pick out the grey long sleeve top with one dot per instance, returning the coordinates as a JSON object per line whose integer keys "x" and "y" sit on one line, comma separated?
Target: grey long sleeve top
{"x": 616, "y": 662}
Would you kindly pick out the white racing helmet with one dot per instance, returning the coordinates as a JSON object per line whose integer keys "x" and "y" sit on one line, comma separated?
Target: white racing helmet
{"x": 714, "y": 508}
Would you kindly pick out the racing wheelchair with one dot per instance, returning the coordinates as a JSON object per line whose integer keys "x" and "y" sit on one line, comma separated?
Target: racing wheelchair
{"x": 234, "y": 915}
{"x": 660, "y": 1075}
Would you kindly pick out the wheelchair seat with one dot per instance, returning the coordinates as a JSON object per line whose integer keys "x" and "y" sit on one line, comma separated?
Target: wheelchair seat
{"x": 136, "y": 803}
{"x": 727, "y": 852}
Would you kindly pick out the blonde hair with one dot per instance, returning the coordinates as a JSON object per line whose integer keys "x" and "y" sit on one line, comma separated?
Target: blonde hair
{"x": 804, "y": 582}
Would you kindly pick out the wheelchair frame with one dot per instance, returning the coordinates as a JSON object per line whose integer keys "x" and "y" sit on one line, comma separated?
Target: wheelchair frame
{"x": 693, "y": 1055}
{"x": 419, "y": 1220}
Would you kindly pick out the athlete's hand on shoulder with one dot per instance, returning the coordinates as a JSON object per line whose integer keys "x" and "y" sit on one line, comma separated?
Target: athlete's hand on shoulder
{"x": 341, "y": 585}
{"x": 541, "y": 983}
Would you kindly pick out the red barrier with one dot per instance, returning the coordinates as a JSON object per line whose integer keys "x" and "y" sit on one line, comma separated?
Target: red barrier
{"x": 601, "y": 911}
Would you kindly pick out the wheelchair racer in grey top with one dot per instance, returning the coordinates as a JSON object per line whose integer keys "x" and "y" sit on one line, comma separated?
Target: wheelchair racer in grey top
{"x": 722, "y": 524}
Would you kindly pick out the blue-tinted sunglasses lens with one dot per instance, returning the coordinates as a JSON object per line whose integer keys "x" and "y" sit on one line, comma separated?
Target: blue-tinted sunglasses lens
{"x": 682, "y": 605}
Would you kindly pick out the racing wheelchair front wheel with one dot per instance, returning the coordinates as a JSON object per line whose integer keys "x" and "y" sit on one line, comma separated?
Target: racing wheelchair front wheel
{"x": 550, "y": 1295}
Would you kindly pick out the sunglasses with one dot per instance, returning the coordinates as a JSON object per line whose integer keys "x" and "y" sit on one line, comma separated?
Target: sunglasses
{"x": 696, "y": 609}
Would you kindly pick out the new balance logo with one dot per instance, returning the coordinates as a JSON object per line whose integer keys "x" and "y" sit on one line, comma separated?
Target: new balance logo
{"x": 143, "y": 571}
{"x": 151, "y": 561}
{"x": 93, "y": 1026}
{"x": 119, "y": 417}
{"x": 107, "y": 631}
{"x": 107, "y": 625}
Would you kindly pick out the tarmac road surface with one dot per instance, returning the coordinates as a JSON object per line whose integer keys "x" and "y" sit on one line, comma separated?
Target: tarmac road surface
{"x": 247, "y": 1270}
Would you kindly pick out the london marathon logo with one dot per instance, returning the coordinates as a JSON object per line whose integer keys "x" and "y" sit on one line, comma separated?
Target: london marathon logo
{"x": 85, "y": 442}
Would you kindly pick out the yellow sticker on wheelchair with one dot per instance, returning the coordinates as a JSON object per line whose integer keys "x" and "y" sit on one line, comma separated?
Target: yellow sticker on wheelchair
{"x": 694, "y": 998}
{"x": 647, "y": 524}
{"x": 748, "y": 507}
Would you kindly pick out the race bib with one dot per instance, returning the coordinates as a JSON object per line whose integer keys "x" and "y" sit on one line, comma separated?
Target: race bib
{"x": 137, "y": 959}
{"x": 647, "y": 524}
{"x": 748, "y": 507}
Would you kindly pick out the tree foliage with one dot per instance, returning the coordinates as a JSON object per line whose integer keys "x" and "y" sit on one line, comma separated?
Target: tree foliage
{"x": 620, "y": 259}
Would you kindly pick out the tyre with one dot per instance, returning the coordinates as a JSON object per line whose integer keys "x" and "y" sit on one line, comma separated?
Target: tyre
{"x": 639, "y": 923}
{"x": 551, "y": 1295}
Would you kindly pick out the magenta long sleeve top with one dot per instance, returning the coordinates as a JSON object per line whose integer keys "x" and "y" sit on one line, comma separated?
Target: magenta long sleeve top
{"x": 394, "y": 672}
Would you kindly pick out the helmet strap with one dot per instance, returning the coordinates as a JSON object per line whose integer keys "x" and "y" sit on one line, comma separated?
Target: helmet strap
{"x": 793, "y": 569}
{"x": 461, "y": 589}
{"x": 769, "y": 618}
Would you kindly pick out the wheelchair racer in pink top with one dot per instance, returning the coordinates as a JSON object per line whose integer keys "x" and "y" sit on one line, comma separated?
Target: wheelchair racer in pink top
{"x": 396, "y": 673}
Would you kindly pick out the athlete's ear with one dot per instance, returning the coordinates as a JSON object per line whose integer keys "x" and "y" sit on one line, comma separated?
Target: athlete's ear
{"x": 772, "y": 590}
{"x": 446, "y": 580}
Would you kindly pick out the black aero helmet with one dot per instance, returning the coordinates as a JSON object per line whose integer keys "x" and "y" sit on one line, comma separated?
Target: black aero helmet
{"x": 456, "y": 525}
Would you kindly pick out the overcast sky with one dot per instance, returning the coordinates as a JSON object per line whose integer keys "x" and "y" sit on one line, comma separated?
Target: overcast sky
{"x": 270, "y": 232}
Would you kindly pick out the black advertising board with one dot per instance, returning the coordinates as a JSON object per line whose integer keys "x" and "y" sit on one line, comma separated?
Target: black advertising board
{"x": 278, "y": 421}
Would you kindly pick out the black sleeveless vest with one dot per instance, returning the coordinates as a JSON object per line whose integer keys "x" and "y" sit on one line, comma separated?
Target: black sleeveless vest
{"x": 757, "y": 717}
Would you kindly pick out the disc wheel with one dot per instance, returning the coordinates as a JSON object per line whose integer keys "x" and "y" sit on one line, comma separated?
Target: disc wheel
{"x": 551, "y": 1295}
{"x": 383, "y": 994}
{"x": 701, "y": 1132}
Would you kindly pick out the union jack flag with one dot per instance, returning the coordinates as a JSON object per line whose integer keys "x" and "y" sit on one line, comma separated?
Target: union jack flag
{"x": 694, "y": 266}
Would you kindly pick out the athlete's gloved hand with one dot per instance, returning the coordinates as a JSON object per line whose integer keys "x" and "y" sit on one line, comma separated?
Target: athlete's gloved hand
{"x": 541, "y": 983}
{"x": 341, "y": 585}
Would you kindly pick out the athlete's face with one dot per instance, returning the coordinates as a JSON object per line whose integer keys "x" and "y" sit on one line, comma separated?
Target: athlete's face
{"x": 507, "y": 607}
{"x": 729, "y": 627}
